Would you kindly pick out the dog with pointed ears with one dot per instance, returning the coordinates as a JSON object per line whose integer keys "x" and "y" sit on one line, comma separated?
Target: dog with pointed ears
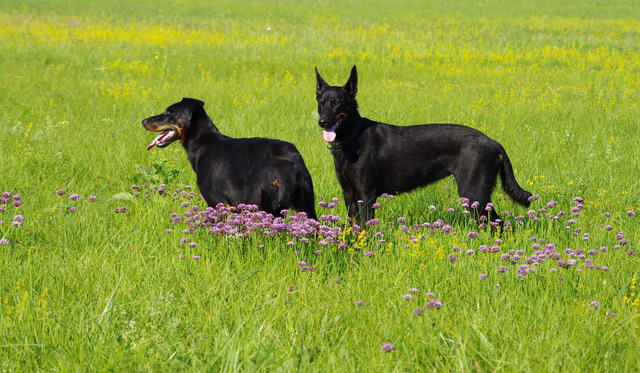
{"x": 256, "y": 171}
{"x": 373, "y": 158}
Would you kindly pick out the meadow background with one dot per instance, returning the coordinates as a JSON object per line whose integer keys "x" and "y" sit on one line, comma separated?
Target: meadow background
{"x": 104, "y": 277}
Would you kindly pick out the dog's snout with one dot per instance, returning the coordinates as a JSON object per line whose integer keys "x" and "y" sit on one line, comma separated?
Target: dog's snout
{"x": 145, "y": 121}
{"x": 322, "y": 122}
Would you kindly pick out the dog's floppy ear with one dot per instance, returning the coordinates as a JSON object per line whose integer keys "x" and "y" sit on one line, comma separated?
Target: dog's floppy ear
{"x": 192, "y": 101}
{"x": 352, "y": 83}
{"x": 320, "y": 83}
{"x": 192, "y": 105}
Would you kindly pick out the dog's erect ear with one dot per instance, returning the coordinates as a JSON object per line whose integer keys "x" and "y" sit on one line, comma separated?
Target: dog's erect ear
{"x": 352, "y": 83}
{"x": 320, "y": 83}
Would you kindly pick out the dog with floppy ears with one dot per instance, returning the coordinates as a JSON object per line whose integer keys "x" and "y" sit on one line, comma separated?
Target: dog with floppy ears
{"x": 258, "y": 171}
{"x": 373, "y": 158}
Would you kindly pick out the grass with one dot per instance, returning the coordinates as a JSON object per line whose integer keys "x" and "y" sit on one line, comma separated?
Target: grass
{"x": 97, "y": 289}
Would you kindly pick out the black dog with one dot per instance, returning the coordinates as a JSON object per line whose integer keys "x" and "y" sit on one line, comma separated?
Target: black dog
{"x": 264, "y": 172}
{"x": 373, "y": 158}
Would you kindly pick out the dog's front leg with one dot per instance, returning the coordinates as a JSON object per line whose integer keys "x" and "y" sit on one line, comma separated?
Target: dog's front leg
{"x": 365, "y": 209}
{"x": 360, "y": 208}
{"x": 352, "y": 205}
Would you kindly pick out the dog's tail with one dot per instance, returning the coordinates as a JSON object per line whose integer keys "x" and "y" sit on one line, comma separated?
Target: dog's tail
{"x": 509, "y": 182}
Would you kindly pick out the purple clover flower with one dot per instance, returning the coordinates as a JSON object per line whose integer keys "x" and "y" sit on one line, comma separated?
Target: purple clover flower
{"x": 74, "y": 197}
{"x": 434, "y": 303}
{"x": 388, "y": 347}
{"x": 483, "y": 276}
{"x": 418, "y": 312}
{"x": 60, "y": 192}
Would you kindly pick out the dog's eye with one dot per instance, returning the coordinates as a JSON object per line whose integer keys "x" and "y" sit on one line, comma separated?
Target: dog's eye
{"x": 322, "y": 102}
{"x": 334, "y": 102}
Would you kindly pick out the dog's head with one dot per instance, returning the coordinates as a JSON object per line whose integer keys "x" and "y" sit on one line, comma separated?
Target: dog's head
{"x": 336, "y": 106}
{"x": 173, "y": 123}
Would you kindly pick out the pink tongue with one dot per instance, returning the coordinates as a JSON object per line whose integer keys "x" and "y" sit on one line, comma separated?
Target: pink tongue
{"x": 155, "y": 141}
{"x": 329, "y": 135}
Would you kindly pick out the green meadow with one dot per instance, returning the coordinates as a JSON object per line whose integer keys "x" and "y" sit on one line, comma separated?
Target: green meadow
{"x": 110, "y": 261}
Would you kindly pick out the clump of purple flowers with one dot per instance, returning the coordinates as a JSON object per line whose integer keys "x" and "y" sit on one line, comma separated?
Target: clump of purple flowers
{"x": 6, "y": 198}
{"x": 434, "y": 303}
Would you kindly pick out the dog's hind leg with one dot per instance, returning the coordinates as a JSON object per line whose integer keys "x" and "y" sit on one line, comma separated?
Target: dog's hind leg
{"x": 284, "y": 196}
{"x": 477, "y": 188}
{"x": 303, "y": 197}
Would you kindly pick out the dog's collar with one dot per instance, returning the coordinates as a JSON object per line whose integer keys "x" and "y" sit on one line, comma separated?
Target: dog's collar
{"x": 341, "y": 144}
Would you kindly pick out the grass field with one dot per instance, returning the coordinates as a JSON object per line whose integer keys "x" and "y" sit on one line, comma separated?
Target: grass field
{"x": 110, "y": 261}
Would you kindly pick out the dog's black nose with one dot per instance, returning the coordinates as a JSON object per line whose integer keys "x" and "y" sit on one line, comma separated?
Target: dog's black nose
{"x": 322, "y": 122}
{"x": 145, "y": 121}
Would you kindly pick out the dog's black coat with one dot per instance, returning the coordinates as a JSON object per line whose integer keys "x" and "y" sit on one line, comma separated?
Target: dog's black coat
{"x": 264, "y": 172}
{"x": 373, "y": 158}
